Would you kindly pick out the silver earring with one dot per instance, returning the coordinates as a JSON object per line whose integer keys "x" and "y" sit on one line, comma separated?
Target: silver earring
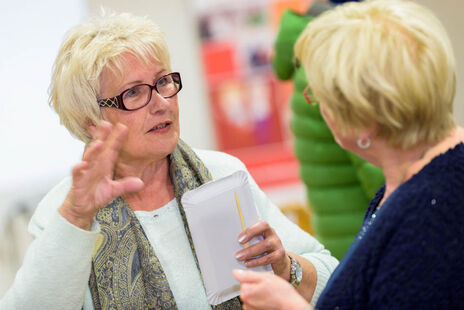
{"x": 364, "y": 144}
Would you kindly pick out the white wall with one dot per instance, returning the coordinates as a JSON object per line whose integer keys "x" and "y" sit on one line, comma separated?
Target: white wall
{"x": 34, "y": 147}
{"x": 35, "y": 151}
{"x": 451, "y": 13}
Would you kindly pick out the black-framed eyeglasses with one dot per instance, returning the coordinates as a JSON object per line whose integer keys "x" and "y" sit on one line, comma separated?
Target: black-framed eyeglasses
{"x": 139, "y": 95}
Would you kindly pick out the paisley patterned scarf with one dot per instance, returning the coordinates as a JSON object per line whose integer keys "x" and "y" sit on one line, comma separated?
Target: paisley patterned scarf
{"x": 126, "y": 273}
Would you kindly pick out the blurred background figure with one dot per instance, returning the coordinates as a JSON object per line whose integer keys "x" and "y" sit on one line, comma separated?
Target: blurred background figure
{"x": 339, "y": 184}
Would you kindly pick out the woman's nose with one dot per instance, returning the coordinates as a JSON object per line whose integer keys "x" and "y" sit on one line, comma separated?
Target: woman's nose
{"x": 157, "y": 103}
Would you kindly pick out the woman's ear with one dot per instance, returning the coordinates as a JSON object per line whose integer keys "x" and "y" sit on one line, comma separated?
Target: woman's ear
{"x": 91, "y": 128}
{"x": 368, "y": 133}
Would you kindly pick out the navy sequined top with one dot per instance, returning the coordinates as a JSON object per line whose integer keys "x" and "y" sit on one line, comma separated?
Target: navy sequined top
{"x": 409, "y": 254}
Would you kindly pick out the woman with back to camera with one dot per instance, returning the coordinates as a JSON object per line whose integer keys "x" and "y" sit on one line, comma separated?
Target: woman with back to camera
{"x": 383, "y": 73}
{"x": 115, "y": 234}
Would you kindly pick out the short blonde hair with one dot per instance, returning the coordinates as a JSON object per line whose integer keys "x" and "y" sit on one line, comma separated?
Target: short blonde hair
{"x": 387, "y": 63}
{"x": 89, "y": 48}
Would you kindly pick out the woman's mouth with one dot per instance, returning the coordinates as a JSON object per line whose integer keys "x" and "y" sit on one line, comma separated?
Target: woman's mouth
{"x": 160, "y": 128}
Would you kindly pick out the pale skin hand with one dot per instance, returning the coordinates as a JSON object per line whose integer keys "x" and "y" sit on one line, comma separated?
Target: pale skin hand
{"x": 92, "y": 179}
{"x": 271, "y": 246}
{"x": 262, "y": 290}
{"x": 274, "y": 254}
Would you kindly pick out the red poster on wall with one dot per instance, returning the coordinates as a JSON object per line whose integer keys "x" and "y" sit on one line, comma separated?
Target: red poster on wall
{"x": 249, "y": 105}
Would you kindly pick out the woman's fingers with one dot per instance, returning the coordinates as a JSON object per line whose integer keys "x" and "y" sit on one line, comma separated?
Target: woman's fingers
{"x": 126, "y": 185}
{"x": 116, "y": 137}
{"x": 113, "y": 143}
{"x": 265, "y": 246}
{"x": 271, "y": 258}
{"x": 250, "y": 282}
{"x": 259, "y": 228}
{"x": 248, "y": 276}
{"x": 270, "y": 246}
{"x": 254, "y": 292}
{"x": 92, "y": 151}
{"x": 262, "y": 290}
{"x": 99, "y": 135}
{"x": 110, "y": 136}
{"x": 93, "y": 185}
{"x": 79, "y": 168}
{"x": 107, "y": 189}
{"x": 248, "y": 307}
{"x": 268, "y": 251}
{"x": 103, "y": 130}
{"x": 102, "y": 154}
{"x": 92, "y": 178}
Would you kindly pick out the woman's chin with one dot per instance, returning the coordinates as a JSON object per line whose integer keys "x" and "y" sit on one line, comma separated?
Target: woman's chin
{"x": 156, "y": 150}
{"x": 163, "y": 143}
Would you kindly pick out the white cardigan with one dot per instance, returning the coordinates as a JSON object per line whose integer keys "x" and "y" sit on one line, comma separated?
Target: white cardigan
{"x": 56, "y": 268}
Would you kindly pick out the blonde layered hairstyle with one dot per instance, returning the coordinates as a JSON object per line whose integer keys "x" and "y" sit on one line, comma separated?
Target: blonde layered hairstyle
{"x": 89, "y": 48}
{"x": 383, "y": 63}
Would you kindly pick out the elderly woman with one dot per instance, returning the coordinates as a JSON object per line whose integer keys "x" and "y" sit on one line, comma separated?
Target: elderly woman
{"x": 383, "y": 73}
{"x": 115, "y": 234}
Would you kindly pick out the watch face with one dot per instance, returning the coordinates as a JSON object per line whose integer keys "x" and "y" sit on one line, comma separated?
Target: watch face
{"x": 296, "y": 273}
{"x": 299, "y": 274}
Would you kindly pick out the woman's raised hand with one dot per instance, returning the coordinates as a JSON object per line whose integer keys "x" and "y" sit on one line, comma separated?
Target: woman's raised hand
{"x": 92, "y": 179}
{"x": 268, "y": 251}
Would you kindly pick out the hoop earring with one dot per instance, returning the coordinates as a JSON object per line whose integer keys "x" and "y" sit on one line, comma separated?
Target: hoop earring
{"x": 364, "y": 144}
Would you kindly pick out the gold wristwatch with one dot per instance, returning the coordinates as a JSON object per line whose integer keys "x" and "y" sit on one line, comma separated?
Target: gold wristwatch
{"x": 296, "y": 273}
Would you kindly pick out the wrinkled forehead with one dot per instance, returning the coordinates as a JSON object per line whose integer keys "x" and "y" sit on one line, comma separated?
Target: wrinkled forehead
{"x": 127, "y": 62}
{"x": 127, "y": 68}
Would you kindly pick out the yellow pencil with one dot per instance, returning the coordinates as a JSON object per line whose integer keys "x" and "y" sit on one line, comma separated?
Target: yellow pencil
{"x": 241, "y": 216}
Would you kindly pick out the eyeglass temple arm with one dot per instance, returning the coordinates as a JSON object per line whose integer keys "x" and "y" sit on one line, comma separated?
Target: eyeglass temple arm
{"x": 109, "y": 103}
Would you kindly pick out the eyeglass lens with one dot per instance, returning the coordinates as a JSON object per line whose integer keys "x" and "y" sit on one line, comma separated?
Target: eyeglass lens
{"x": 139, "y": 95}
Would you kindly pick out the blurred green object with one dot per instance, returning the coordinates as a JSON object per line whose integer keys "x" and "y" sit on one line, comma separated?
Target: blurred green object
{"x": 339, "y": 184}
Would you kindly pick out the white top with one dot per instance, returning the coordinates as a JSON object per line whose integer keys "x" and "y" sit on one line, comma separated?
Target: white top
{"x": 165, "y": 230}
{"x": 56, "y": 267}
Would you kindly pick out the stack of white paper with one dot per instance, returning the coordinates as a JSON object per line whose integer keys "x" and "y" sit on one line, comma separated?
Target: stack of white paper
{"x": 213, "y": 215}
